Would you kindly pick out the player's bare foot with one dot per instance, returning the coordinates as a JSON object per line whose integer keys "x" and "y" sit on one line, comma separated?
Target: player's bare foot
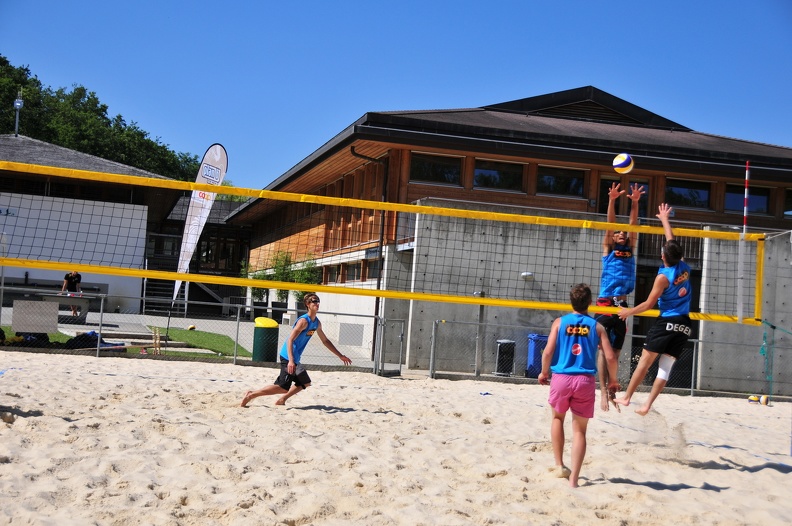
{"x": 561, "y": 472}
{"x": 643, "y": 410}
{"x": 621, "y": 401}
{"x": 280, "y": 401}
{"x": 246, "y": 399}
{"x": 604, "y": 401}
{"x": 612, "y": 399}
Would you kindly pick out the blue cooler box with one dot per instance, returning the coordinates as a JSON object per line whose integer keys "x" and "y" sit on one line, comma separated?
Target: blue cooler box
{"x": 536, "y": 345}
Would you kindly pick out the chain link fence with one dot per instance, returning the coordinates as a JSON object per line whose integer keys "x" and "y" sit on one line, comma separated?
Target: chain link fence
{"x": 512, "y": 353}
{"x": 227, "y": 332}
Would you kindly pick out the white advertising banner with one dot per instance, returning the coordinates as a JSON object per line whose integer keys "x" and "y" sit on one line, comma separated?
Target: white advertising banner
{"x": 212, "y": 171}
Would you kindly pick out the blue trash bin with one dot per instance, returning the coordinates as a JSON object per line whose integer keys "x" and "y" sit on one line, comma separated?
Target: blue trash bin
{"x": 536, "y": 345}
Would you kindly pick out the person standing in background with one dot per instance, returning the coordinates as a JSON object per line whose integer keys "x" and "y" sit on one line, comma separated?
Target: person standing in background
{"x": 71, "y": 284}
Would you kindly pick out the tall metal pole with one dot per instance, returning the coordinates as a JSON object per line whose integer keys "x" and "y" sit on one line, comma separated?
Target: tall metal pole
{"x": 380, "y": 257}
{"x": 741, "y": 248}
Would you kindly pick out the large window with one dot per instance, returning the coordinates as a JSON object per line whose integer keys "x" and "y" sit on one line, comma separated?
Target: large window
{"x": 498, "y": 175}
{"x": 788, "y": 204}
{"x": 354, "y": 271}
{"x": 435, "y": 169}
{"x": 560, "y": 181}
{"x": 602, "y": 198}
{"x": 758, "y": 199}
{"x": 333, "y": 273}
{"x": 372, "y": 269}
{"x": 691, "y": 194}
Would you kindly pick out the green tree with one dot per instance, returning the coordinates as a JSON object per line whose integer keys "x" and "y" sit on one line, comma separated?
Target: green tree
{"x": 229, "y": 197}
{"x": 282, "y": 271}
{"x": 78, "y": 120}
{"x": 309, "y": 273}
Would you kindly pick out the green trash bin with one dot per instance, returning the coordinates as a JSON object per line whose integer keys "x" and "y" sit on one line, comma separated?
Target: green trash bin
{"x": 265, "y": 340}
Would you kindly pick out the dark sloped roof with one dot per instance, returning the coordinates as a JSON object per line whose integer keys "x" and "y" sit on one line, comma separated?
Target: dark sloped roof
{"x": 583, "y": 124}
{"x": 588, "y": 103}
{"x": 220, "y": 210}
{"x": 21, "y": 149}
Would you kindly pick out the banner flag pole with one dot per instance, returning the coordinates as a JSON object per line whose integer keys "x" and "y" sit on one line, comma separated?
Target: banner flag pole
{"x": 212, "y": 171}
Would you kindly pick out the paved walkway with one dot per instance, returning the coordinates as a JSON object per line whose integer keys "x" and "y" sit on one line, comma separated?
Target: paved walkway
{"x": 119, "y": 327}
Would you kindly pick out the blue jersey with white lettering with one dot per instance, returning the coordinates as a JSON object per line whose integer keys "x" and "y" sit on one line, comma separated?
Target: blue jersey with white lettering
{"x": 300, "y": 341}
{"x": 675, "y": 300}
{"x": 576, "y": 347}
{"x": 618, "y": 272}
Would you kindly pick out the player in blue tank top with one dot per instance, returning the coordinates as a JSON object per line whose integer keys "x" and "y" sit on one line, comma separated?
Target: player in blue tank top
{"x": 300, "y": 340}
{"x": 666, "y": 339}
{"x": 617, "y": 279}
{"x": 293, "y": 377}
{"x": 571, "y": 355}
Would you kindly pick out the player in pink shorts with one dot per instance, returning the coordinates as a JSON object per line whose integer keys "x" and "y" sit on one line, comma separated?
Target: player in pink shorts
{"x": 571, "y": 355}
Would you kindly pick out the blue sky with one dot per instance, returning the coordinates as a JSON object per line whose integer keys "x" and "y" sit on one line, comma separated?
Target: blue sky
{"x": 273, "y": 81}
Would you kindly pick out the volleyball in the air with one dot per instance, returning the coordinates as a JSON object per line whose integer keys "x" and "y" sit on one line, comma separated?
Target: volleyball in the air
{"x": 623, "y": 163}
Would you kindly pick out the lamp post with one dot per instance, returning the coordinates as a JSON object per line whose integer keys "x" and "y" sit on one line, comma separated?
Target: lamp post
{"x": 18, "y": 103}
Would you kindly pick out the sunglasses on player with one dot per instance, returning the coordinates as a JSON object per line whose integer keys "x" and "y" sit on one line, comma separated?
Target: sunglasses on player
{"x": 315, "y": 301}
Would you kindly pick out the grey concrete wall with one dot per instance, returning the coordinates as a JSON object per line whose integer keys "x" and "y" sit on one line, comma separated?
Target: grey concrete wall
{"x": 729, "y": 353}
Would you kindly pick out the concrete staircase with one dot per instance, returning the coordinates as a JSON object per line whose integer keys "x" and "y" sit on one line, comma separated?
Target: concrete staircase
{"x": 146, "y": 341}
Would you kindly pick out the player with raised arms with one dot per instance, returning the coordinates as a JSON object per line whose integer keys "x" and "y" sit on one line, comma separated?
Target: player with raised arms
{"x": 617, "y": 280}
{"x": 667, "y": 337}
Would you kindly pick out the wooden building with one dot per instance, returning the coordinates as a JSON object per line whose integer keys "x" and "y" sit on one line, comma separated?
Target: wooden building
{"x": 551, "y": 151}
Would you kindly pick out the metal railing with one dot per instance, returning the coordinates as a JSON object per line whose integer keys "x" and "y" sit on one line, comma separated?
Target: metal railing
{"x": 513, "y": 353}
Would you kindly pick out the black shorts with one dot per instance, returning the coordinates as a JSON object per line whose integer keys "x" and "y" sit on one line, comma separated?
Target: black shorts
{"x": 668, "y": 336}
{"x": 300, "y": 376}
{"x": 615, "y": 327}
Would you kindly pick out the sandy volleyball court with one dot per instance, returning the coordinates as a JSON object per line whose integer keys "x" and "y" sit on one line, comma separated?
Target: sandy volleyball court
{"x": 125, "y": 441}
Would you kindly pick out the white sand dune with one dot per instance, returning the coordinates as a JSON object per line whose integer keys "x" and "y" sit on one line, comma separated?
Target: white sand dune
{"x": 124, "y": 441}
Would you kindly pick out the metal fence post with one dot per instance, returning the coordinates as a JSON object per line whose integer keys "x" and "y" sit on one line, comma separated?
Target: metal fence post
{"x": 479, "y": 342}
{"x": 432, "y": 348}
{"x": 236, "y": 338}
{"x": 378, "y": 345}
{"x": 101, "y": 319}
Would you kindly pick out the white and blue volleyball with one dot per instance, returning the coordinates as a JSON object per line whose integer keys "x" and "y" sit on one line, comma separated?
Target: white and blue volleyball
{"x": 623, "y": 163}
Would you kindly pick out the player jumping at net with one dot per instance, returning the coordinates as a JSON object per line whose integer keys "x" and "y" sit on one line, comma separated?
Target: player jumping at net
{"x": 571, "y": 355}
{"x": 669, "y": 334}
{"x": 293, "y": 377}
{"x": 617, "y": 280}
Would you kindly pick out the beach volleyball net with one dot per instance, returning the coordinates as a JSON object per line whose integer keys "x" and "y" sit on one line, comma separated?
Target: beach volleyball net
{"x": 431, "y": 250}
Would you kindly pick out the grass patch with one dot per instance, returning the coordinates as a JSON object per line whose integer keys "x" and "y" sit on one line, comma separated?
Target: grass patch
{"x": 54, "y": 337}
{"x": 203, "y": 340}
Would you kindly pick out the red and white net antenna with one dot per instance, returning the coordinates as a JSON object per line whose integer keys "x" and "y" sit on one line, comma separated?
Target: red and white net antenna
{"x": 741, "y": 258}
{"x": 745, "y": 198}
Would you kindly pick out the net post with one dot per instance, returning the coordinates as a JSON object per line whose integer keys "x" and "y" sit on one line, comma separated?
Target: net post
{"x": 741, "y": 256}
